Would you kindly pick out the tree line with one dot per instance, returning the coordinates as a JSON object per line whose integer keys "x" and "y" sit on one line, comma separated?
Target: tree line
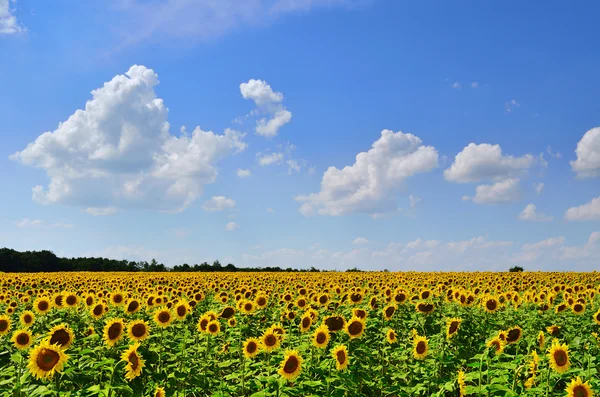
{"x": 47, "y": 261}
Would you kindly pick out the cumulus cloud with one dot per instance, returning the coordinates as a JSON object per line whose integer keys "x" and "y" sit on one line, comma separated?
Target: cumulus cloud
{"x": 500, "y": 192}
{"x": 587, "y": 164}
{"x": 368, "y": 185}
{"x": 476, "y": 163}
{"x": 530, "y": 214}
{"x": 547, "y": 243}
{"x": 269, "y": 158}
{"x": 267, "y": 103}
{"x": 8, "y": 22}
{"x": 218, "y": 203}
{"x": 243, "y": 173}
{"x": 231, "y": 226}
{"x": 586, "y": 212}
{"x": 118, "y": 152}
{"x": 359, "y": 241}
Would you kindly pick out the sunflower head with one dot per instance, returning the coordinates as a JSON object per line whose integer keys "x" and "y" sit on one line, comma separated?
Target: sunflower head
{"x": 320, "y": 337}
{"x": 579, "y": 389}
{"x": 558, "y": 356}
{"x": 424, "y": 307}
{"x": 113, "y": 331}
{"x": 46, "y": 359}
{"x": 132, "y": 306}
{"x": 420, "y": 347}
{"x": 305, "y": 323}
{"x": 4, "y": 324}
{"x": 27, "y": 318}
{"x": 22, "y": 339}
{"x": 98, "y": 310}
{"x": 340, "y": 355}
{"x": 391, "y": 336}
{"x": 251, "y": 347}
{"x": 270, "y": 341}
{"x": 213, "y": 327}
{"x": 42, "y": 305}
{"x": 291, "y": 366}
{"x": 159, "y": 392}
{"x": 134, "y": 362}
{"x": 138, "y": 330}
{"x": 389, "y": 311}
{"x": 335, "y": 323}
{"x": 452, "y": 327}
{"x": 163, "y": 317}
{"x": 497, "y": 344}
{"x": 355, "y": 327}
{"x": 182, "y": 310}
{"x": 61, "y": 335}
{"x": 514, "y": 334}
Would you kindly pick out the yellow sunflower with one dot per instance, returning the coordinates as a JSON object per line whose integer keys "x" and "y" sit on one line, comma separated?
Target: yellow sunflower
{"x": 27, "y": 318}
{"x": 579, "y": 389}
{"x": 61, "y": 335}
{"x": 340, "y": 355}
{"x": 98, "y": 310}
{"x": 182, "y": 309}
{"x": 420, "y": 347}
{"x": 558, "y": 356}
{"x": 320, "y": 337}
{"x": 42, "y": 305}
{"x": 597, "y": 317}
{"x": 291, "y": 366}
{"x": 138, "y": 330}
{"x": 388, "y": 312}
{"x": 461, "y": 384}
{"x": 134, "y": 361}
{"x": 251, "y": 347}
{"x": 45, "y": 360}
{"x": 391, "y": 336}
{"x": 498, "y": 345}
{"x": 132, "y": 306}
{"x": 514, "y": 334}
{"x": 4, "y": 324}
{"x": 213, "y": 327}
{"x": 452, "y": 327}
{"x": 305, "y": 323}
{"x": 22, "y": 339}
{"x": 113, "y": 331}
{"x": 163, "y": 318}
{"x": 270, "y": 341}
{"x": 355, "y": 327}
{"x": 159, "y": 392}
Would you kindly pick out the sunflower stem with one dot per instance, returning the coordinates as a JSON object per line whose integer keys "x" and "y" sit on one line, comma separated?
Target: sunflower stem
{"x": 548, "y": 383}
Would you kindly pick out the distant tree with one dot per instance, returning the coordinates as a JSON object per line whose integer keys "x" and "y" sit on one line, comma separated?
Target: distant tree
{"x": 516, "y": 269}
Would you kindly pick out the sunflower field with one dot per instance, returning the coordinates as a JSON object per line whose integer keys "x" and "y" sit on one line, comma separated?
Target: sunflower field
{"x": 300, "y": 334}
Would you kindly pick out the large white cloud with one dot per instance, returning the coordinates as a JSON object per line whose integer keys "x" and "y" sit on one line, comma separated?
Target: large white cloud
{"x": 476, "y": 163}
{"x": 586, "y": 212}
{"x": 8, "y": 22}
{"x": 118, "y": 152}
{"x": 268, "y": 103}
{"x": 530, "y": 213}
{"x": 587, "y": 164}
{"x": 368, "y": 186}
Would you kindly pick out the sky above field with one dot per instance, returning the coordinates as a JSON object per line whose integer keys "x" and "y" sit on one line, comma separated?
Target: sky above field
{"x": 400, "y": 135}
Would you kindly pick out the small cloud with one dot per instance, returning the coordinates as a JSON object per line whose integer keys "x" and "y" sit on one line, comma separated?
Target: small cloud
{"x": 359, "y": 241}
{"x": 530, "y": 214}
{"x": 218, "y": 203}
{"x": 457, "y": 85}
{"x": 269, "y": 159}
{"x": 556, "y": 155}
{"x": 243, "y": 173}
{"x": 465, "y": 198}
{"x": 538, "y": 187}
{"x": 414, "y": 201}
{"x": 475, "y": 84}
{"x": 511, "y": 105}
{"x": 293, "y": 166}
{"x": 101, "y": 211}
{"x": 231, "y": 226}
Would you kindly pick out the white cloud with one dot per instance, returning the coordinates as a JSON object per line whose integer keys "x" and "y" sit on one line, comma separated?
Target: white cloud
{"x": 368, "y": 186}
{"x": 476, "y": 163}
{"x": 500, "y": 192}
{"x": 218, "y": 203}
{"x": 538, "y": 187}
{"x": 414, "y": 201}
{"x": 267, "y": 102}
{"x": 8, "y": 22}
{"x": 544, "y": 244}
{"x": 457, "y": 85}
{"x": 556, "y": 155}
{"x": 587, "y": 164}
{"x": 101, "y": 211}
{"x": 293, "y": 166}
{"x": 243, "y": 173}
{"x": 31, "y": 223}
{"x": 586, "y": 212}
{"x": 530, "y": 214}
{"x": 360, "y": 241}
{"x": 419, "y": 243}
{"x": 231, "y": 226}
{"x": 118, "y": 152}
{"x": 270, "y": 158}
{"x": 510, "y": 105}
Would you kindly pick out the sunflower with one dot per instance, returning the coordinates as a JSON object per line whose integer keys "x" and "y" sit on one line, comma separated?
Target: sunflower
{"x": 340, "y": 355}
{"x": 132, "y": 306}
{"x": 388, "y": 312}
{"x": 247, "y": 306}
{"x": 597, "y": 317}
{"x": 579, "y": 389}
{"x": 530, "y": 382}
{"x": 231, "y": 322}
{"x": 138, "y": 330}
{"x": 533, "y": 364}
{"x": 251, "y": 347}
{"x": 159, "y": 392}
{"x": 420, "y": 347}
{"x": 291, "y": 366}
{"x": 22, "y": 339}
{"x": 355, "y": 327}
{"x": 541, "y": 339}
{"x": 560, "y": 308}
{"x": 269, "y": 341}
{"x": 305, "y": 323}
{"x": 514, "y": 334}
{"x": 113, "y": 331}
{"x": 213, "y": 327}
{"x": 461, "y": 384}
{"x": 578, "y": 308}
{"x": 61, "y": 335}
{"x": 98, "y": 310}
{"x": 452, "y": 327}
{"x": 163, "y": 317}
{"x": 320, "y": 337}
{"x": 553, "y": 330}
{"x": 27, "y": 318}
{"x": 490, "y": 304}
{"x": 424, "y": 307}
{"x": 559, "y": 357}
{"x": 42, "y": 305}
{"x": 45, "y": 360}
{"x": 4, "y": 324}
{"x": 498, "y": 345}
{"x": 227, "y": 312}
{"x": 391, "y": 336}
{"x": 182, "y": 309}
{"x": 117, "y": 298}
{"x": 335, "y": 323}
{"x": 70, "y": 299}
{"x": 134, "y": 361}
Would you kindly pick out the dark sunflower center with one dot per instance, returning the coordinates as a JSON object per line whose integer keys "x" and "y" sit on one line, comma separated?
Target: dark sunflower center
{"x": 578, "y": 308}
{"x": 496, "y": 345}
{"x": 3, "y": 325}
{"x": 118, "y": 298}
{"x": 425, "y": 295}
{"x": 355, "y": 297}
{"x": 212, "y": 327}
{"x": 335, "y": 323}
{"x": 322, "y": 299}
{"x": 47, "y": 359}
{"x": 248, "y": 306}
{"x": 513, "y": 335}
{"x": 251, "y": 347}
{"x": 181, "y": 311}
{"x": 61, "y": 337}
{"x": 301, "y": 303}
{"x": 321, "y": 337}
{"x": 392, "y": 336}
{"x": 227, "y": 312}
{"x": 389, "y": 312}
{"x": 426, "y": 308}
{"x": 22, "y": 339}
{"x": 261, "y": 301}
{"x": 340, "y": 356}
{"x": 71, "y": 300}
{"x": 58, "y": 300}
{"x": 133, "y": 306}
{"x": 89, "y": 300}
{"x": 133, "y": 360}
{"x": 138, "y": 330}
{"x": 270, "y": 340}
{"x": 400, "y": 298}
{"x": 355, "y": 328}
{"x": 98, "y": 310}
{"x": 43, "y": 306}
{"x": 580, "y": 391}
{"x": 361, "y": 313}
{"x": 306, "y": 322}
{"x": 421, "y": 347}
{"x": 114, "y": 331}
{"x": 203, "y": 324}
{"x": 164, "y": 317}
{"x": 491, "y": 304}
{"x": 453, "y": 327}
{"x": 560, "y": 357}
{"x": 291, "y": 365}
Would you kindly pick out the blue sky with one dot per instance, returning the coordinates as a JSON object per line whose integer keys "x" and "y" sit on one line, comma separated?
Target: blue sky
{"x": 379, "y": 134}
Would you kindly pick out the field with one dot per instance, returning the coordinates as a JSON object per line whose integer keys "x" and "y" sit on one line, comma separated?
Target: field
{"x": 299, "y": 334}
